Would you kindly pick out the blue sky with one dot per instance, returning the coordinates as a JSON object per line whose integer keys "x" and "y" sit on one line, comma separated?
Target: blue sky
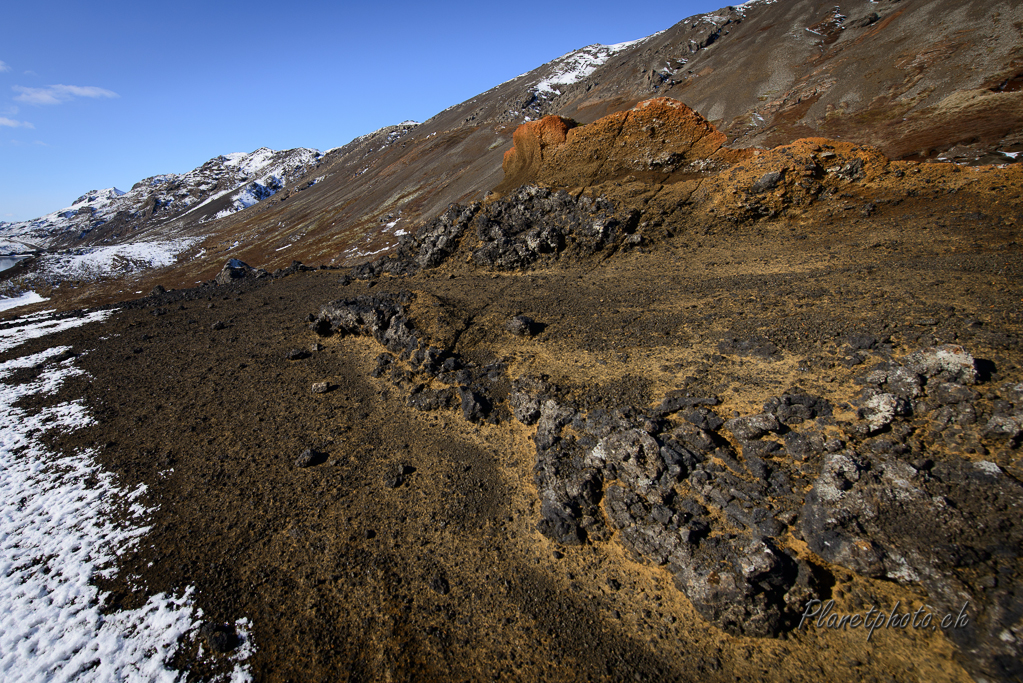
{"x": 103, "y": 94}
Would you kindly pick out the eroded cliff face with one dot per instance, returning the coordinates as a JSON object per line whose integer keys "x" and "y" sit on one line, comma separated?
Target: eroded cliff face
{"x": 532, "y": 142}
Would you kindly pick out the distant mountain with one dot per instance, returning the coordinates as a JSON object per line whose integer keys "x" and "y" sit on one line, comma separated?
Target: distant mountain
{"x": 222, "y": 186}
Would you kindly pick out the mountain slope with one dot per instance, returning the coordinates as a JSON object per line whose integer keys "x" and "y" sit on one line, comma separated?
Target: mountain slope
{"x": 915, "y": 78}
{"x": 918, "y": 79}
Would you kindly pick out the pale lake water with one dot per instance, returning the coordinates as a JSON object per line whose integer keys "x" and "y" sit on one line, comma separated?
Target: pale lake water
{"x": 10, "y": 261}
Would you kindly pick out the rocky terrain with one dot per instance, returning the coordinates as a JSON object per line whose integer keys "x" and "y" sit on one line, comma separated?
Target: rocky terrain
{"x": 624, "y": 421}
{"x": 637, "y": 394}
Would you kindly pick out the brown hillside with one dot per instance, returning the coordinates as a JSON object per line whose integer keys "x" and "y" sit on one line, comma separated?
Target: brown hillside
{"x": 561, "y": 431}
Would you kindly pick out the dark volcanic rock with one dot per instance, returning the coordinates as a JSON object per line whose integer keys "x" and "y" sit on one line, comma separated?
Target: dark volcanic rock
{"x": 627, "y": 480}
{"x": 220, "y": 637}
{"x": 308, "y": 458}
{"x": 381, "y": 316}
{"x": 521, "y": 326}
{"x": 236, "y": 270}
{"x": 428, "y": 248}
{"x": 752, "y": 426}
{"x": 954, "y": 528}
{"x": 535, "y": 224}
{"x": 474, "y": 406}
{"x": 767, "y": 182}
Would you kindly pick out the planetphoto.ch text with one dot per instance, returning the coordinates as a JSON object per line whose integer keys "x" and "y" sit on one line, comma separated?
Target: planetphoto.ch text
{"x": 822, "y": 615}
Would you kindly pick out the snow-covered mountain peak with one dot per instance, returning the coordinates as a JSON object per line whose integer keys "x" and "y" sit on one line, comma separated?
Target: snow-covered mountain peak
{"x": 222, "y": 186}
{"x": 94, "y": 196}
{"x": 578, "y": 64}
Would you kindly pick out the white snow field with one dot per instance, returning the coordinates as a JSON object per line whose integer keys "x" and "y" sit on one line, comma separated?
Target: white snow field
{"x": 7, "y": 303}
{"x": 91, "y": 263}
{"x": 57, "y": 532}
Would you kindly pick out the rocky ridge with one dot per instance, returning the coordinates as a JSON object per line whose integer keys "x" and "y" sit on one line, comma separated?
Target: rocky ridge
{"x": 222, "y": 186}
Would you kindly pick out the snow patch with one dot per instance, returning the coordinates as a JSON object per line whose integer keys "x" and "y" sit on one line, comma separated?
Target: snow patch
{"x": 575, "y": 66}
{"x": 56, "y": 533}
{"x": 89, "y": 263}
{"x": 40, "y": 325}
{"x": 23, "y": 300}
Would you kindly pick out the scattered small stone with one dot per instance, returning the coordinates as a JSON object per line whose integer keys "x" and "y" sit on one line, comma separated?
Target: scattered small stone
{"x": 220, "y": 637}
{"x": 397, "y": 476}
{"x": 308, "y": 458}
{"x": 321, "y": 387}
{"x": 768, "y": 181}
{"x": 521, "y": 326}
{"x": 297, "y": 354}
{"x": 219, "y": 325}
{"x": 440, "y": 585}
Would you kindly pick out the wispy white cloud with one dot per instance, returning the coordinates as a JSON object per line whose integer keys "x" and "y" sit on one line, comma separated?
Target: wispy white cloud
{"x": 11, "y": 123}
{"x": 56, "y": 94}
{"x": 4, "y": 67}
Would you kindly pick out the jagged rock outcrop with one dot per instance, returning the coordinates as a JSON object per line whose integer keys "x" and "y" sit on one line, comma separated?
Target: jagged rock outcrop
{"x": 427, "y": 248}
{"x": 533, "y": 225}
{"x": 657, "y": 139}
{"x": 536, "y": 225}
{"x": 532, "y": 142}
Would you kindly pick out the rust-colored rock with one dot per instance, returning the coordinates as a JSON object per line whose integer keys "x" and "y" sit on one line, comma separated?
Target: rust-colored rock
{"x": 532, "y": 142}
{"x": 659, "y": 139}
